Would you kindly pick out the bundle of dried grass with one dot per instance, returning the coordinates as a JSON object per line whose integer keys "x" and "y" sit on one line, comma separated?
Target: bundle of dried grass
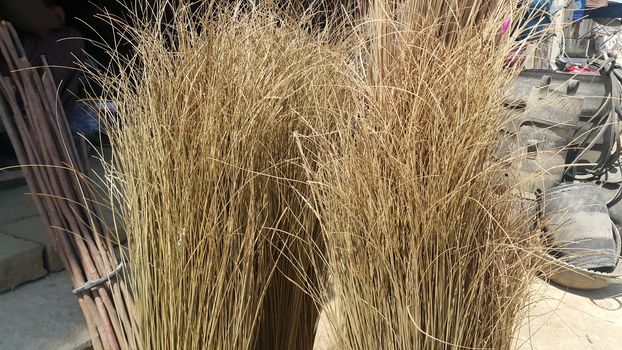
{"x": 421, "y": 243}
{"x": 213, "y": 200}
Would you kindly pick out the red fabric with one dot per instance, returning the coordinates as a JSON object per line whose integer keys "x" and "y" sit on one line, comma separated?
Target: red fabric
{"x": 577, "y": 69}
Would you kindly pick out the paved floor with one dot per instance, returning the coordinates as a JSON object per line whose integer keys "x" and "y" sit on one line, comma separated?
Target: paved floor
{"x": 42, "y": 315}
{"x": 562, "y": 319}
{"x": 37, "y": 308}
{"x": 23, "y": 239}
{"x": 559, "y": 319}
{"x": 24, "y": 245}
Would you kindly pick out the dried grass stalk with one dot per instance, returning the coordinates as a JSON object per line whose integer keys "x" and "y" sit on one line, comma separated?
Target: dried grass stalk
{"x": 205, "y": 164}
{"x": 421, "y": 243}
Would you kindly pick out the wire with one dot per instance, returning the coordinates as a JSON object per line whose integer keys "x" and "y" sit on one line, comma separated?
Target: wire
{"x": 606, "y": 129}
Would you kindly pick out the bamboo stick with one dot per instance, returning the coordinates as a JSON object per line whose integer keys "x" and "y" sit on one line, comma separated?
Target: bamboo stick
{"x": 53, "y": 169}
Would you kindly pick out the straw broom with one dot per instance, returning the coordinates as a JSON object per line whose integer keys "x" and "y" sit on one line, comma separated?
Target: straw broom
{"x": 206, "y": 168}
{"x": 421, "y": 243}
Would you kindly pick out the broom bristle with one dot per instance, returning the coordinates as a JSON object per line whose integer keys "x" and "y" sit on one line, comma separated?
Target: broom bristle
{"x": 224, "y": 221}
{"x": 214, "y": 208}
{"x": 422, "y": 246}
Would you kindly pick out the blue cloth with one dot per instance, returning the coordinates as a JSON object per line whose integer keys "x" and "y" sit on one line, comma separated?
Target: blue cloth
{"x": 536, "y": 20}
{"x": 84, "y": 120}
{"x": 544, "y": 5}
{"x": 614, "y": 10}
{"x": 578, "y": 11}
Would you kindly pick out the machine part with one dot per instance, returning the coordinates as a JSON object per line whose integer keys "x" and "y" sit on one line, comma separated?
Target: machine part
{"x": 512, "y": 119}
{"x": 550, "y": 109}
{"x": 506, "y": 147}
{"x": 540, "y": 137}
{"x": 541, "y": 162}
{"x": 543, "y": 129}
{"x": 591, "y": 146}
{"x": 615, "y": 207}
{"x": 554, "y": 108}
{"x": 602, "y": 137}
{"x": 595, "y": 143}
{"x": 571, "y": 276}
{"x": 610, "y": 186}
{"x": 593, "y": 88}
{"x": 576, "y": 218}
{"x": 525, "y": 210}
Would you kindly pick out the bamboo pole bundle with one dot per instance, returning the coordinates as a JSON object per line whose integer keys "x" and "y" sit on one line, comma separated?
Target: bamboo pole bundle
{"x": 55, "y": 173}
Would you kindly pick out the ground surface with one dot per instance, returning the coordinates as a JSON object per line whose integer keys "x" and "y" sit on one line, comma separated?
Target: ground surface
{"x": 42, "y": 315}
{"x": 559, "y": 319}
{"x": 567, "y": 319}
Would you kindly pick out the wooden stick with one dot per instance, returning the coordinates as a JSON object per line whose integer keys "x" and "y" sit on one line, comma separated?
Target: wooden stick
{"x": 65, "y": 202}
